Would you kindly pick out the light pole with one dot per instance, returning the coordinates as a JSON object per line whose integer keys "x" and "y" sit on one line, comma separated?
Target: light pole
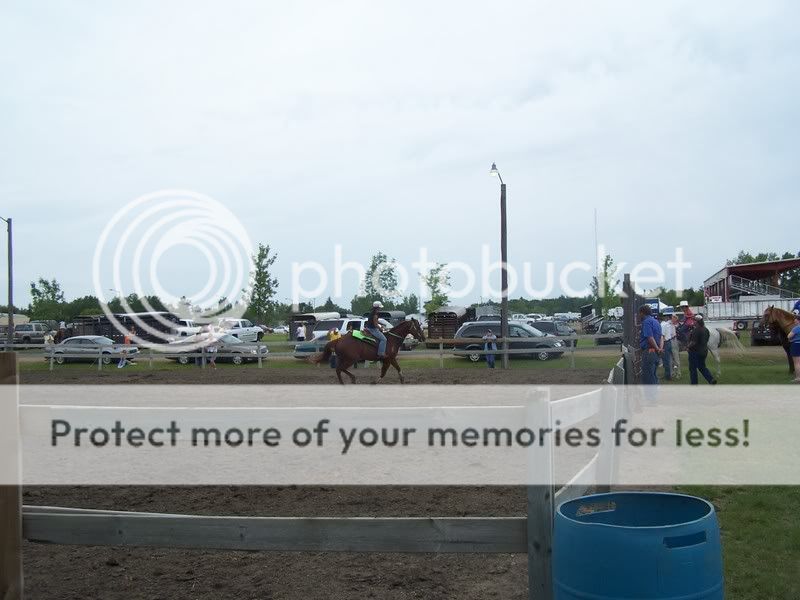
{"x": 504, "y": 260}
{"x": 10, "y": 333}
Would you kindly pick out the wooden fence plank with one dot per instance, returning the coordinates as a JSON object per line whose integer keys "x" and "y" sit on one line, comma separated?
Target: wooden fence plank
{"x": 575, "y": 409}
{"x": 540, "y": 504}
{"x": 491, "y": 535}
{"x": 10, "y": 495}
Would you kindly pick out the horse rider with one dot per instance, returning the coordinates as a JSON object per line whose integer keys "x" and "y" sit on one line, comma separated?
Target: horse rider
{"x": 374, "y": 328}
{"x": 688, "y": 315}
{"x": 684, "y": 330}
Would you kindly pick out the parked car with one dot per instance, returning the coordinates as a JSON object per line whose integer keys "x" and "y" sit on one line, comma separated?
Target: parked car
{"x": 608, "y": 327}
{"x": 241, "y": 351}
{"x": 242, "y": 329}
{"x": 556, "y": 328}
{"x": 82, "y": 348}
{"x": 529, "y": 339}
{"x": 489, "y": 318}
{"x": 280, "y": 329}
{"x": 762, "y": 335}
{"x": 30, "y": 333}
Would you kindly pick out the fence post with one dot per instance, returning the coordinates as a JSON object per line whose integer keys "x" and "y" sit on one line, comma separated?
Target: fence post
{"x": 572, "y": 355}
{"x": 540, "y": 503}
{"x": 203, "y": 357}
{"x": 99, "y": 358}
{"x": 150, "y": 357}
{"x": 607, "y": 458}
{"x": 52, "y": 357}
{"x": 10, "y": 495}
{"x": 441, "y": 354}
{"x": 258, "y": 349}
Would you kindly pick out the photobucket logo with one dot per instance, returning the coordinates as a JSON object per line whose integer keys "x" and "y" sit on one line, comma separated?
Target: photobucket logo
{"x": 134, "y": 243}
{"x": 311, "y": 279}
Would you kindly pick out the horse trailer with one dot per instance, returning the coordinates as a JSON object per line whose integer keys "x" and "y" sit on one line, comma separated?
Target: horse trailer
{"x": 444, "y": 322}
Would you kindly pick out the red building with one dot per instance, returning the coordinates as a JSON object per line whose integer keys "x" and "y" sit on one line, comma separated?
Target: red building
{"x": 751, "y": 279}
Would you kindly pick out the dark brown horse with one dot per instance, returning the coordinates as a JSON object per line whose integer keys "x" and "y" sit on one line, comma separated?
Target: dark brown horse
{"x": 350, "y": 350}
{"x": 781, "y": 322}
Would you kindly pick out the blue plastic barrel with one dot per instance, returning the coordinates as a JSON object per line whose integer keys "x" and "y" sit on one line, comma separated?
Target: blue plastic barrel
{"x": 641, "y": 545}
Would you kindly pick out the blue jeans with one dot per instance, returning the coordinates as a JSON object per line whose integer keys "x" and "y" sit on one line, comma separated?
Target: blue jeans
{"x": 378, "y": 335}
{"x": 490, "y": 361}
{"x": 697, "y": 362}
{"x": 667, "y": 359}
{"x": 649, "y": 367}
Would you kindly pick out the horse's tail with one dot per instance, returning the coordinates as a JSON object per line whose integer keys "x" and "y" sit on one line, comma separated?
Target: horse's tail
{"x": 731, "y": 335}
{"x": 320, "y": 357}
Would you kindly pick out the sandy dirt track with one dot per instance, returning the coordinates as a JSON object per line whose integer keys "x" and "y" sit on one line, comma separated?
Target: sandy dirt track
{"x": 116, "y": 573}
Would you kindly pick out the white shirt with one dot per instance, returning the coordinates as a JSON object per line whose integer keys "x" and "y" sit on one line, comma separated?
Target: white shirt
{"x": 301, "y": 331}
{"x": 667, "y": 330}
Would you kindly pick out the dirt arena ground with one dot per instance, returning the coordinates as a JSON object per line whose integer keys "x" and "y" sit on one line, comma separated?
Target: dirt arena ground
{"x": 116, "y": 573}
{"x": 311, "y": 375}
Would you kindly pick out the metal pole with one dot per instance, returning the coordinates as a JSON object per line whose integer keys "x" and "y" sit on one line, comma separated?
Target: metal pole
{"x": 10, "y": 334}
{"x": 504, "y": 280}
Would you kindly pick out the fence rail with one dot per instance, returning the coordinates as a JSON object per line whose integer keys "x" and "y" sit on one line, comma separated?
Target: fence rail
{"x": 531, "y": 534}
{"x": 261, "y": 351}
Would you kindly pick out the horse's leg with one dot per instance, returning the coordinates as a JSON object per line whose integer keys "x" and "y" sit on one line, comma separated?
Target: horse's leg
{"x": 715, "y": 353}
{"x": 790, "y": 359}
{"x": 349, "y": 362}
{"x": 396, "y": 365}
{"x": 384, "y": 367}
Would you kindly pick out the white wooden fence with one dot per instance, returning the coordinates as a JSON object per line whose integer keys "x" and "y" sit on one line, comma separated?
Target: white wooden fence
{"x": 531, "y": 534}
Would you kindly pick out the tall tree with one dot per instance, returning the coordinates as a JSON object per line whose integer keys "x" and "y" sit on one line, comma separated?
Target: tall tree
{"x": 47, "y": 300}
{"x": 380, "y": 280}
{"x": 604, "y": 286}
{"x": 409, "y": 304}
{"x": 436, "y": 280}
{"x": 331, "y": 306}
{"x": 263, "y": 286}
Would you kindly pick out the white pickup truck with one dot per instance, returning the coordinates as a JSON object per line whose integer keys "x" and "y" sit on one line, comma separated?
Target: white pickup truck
{"x": 186, "y": 327}
{"x": 242, "y": 329}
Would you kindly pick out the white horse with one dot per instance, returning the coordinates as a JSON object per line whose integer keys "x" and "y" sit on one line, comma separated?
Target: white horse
{"x": 715, "y": 338}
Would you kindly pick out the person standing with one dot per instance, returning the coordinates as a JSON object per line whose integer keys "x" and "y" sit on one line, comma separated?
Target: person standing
{"x": 126, "y": 344}
{"x": 698, "y": 352}
{"x": 490, "y": 345}
{"x": 333, "y": 335}
{"x": 649, "y": 344}
{"x": 667, "y": 337}
{"x": 676, "y": 347}
{"x": 794, "y": 349}
{"x": 300, "y": 333}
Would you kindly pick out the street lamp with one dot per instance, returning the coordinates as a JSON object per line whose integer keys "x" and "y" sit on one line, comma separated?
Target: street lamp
{"x": 504, "y": 260}
{"x": 10, "y": 333}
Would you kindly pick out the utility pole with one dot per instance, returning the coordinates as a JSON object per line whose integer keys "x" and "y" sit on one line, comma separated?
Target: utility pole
{"x": 10, "y": 334}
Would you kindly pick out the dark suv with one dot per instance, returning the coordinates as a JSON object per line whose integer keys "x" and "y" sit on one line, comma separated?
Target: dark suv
{"x": 608, "y": 327}
{"x": 521, "y": 337}
{"x": 557, "y": 328}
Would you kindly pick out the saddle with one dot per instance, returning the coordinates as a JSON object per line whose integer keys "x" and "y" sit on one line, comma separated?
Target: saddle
{"x": 364, "y": 337}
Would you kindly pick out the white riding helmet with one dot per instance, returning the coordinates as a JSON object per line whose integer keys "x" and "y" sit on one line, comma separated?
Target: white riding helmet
{"x": 684, "y": 303}
{"x": 377, "y": 304}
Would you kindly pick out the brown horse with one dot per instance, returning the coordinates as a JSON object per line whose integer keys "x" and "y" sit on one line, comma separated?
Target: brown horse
{"x": 781, "y": 322}
{"x": 350, "y": 350}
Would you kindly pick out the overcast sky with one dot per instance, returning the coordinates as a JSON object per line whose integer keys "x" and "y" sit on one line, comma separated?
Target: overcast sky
{"x": 374, "y": 124}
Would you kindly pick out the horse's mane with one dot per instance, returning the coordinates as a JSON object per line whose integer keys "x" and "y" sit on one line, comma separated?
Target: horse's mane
{"x": 781, "y": 317}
